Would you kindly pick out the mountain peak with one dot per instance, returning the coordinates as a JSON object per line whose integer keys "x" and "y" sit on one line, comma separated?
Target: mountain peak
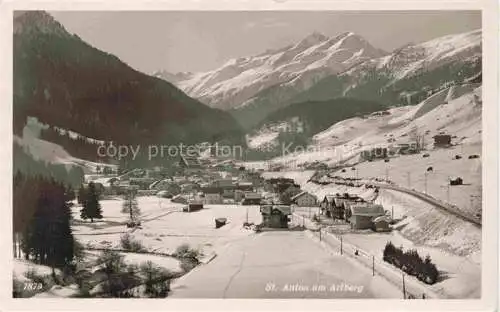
{"x": 37, "y": 22}
{"x": 312, "y": 39}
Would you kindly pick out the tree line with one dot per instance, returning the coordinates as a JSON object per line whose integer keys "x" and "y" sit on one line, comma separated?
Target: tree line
{"x": 411, "y": 263}
{"x": 41, "y": 211}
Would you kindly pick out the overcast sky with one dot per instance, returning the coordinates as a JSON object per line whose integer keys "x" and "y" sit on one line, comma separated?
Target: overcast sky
{"x": 200, "y": 41}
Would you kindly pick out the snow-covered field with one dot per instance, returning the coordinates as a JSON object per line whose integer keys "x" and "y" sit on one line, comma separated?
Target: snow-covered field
{"x": 164, "y": 226}
{"x": 410, "y": 171}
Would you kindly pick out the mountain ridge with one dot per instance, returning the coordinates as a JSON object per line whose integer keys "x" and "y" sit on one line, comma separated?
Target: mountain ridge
{"x": 65, "y": 82}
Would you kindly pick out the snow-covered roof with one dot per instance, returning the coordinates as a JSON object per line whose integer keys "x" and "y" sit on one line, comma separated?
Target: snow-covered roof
{"x": 365, "y": 209}
{"x": 302, "y": 194}
{"x": 382, "y": 218}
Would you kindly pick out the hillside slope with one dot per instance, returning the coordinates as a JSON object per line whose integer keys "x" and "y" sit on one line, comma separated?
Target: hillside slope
{"x": 64, "y": 82}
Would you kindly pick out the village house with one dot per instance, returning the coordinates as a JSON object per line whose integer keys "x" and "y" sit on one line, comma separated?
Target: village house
{"x": 361, "y": 214}
{"x": 334, "y": 205}
{"x": 275, "y": 216}
{"x": 305, "y": 199}
{"x": 327, "y": 205}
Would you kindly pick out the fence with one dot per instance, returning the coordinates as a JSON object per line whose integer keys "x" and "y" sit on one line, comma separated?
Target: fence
{"x": 409, "y": 285}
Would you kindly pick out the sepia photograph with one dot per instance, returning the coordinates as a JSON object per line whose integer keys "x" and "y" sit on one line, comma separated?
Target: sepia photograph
{"x": 248, "y": 154}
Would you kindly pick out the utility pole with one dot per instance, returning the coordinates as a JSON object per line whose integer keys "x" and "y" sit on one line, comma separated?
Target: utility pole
{"x": 392, "y": 213}
{"x": 373, "y": 265}
{"x": 341, "y": 245}
{"x": 386, "y": 173}
{"x": 404, "y": 288}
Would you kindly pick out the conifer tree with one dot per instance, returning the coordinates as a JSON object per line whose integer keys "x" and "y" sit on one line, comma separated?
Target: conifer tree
{"x": 47, "y": 238}
{"x": 91, "y": 206}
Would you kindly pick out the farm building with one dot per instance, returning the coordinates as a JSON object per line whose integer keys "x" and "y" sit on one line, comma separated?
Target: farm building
{"x": 442, "y": 140}
{"x": 275, "y": 216}
{"x": 456, "y": 181}
{"x": 305, "y": 199}
{"x": 361, "y": 215}
{"x": 251, "y": 198}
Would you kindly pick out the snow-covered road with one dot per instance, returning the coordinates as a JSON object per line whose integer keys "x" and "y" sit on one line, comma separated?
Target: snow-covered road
{"x": 281, "y": 264}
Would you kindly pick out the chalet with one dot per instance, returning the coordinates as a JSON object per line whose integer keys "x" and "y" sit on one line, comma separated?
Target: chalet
{"x": 275, "y": 216}
{"x": 442, "y": 140}
{"x": 304, "y": 199}
{"x": 340, "y": 203}
{"x": 251, "y": 198}
{"x": 361, "y": 215}
{"x": 327, "y": 205}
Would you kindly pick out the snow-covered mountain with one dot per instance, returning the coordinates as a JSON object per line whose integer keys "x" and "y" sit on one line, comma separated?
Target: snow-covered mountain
{"x": 319, "y": 68}
{"x": 299, "y": 65}
{"x": 408, "y": 74}
{"x": 411, "y": 60}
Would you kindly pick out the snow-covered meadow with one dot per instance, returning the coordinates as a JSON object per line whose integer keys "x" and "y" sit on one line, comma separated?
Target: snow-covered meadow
{"x": 164, "y": 226}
